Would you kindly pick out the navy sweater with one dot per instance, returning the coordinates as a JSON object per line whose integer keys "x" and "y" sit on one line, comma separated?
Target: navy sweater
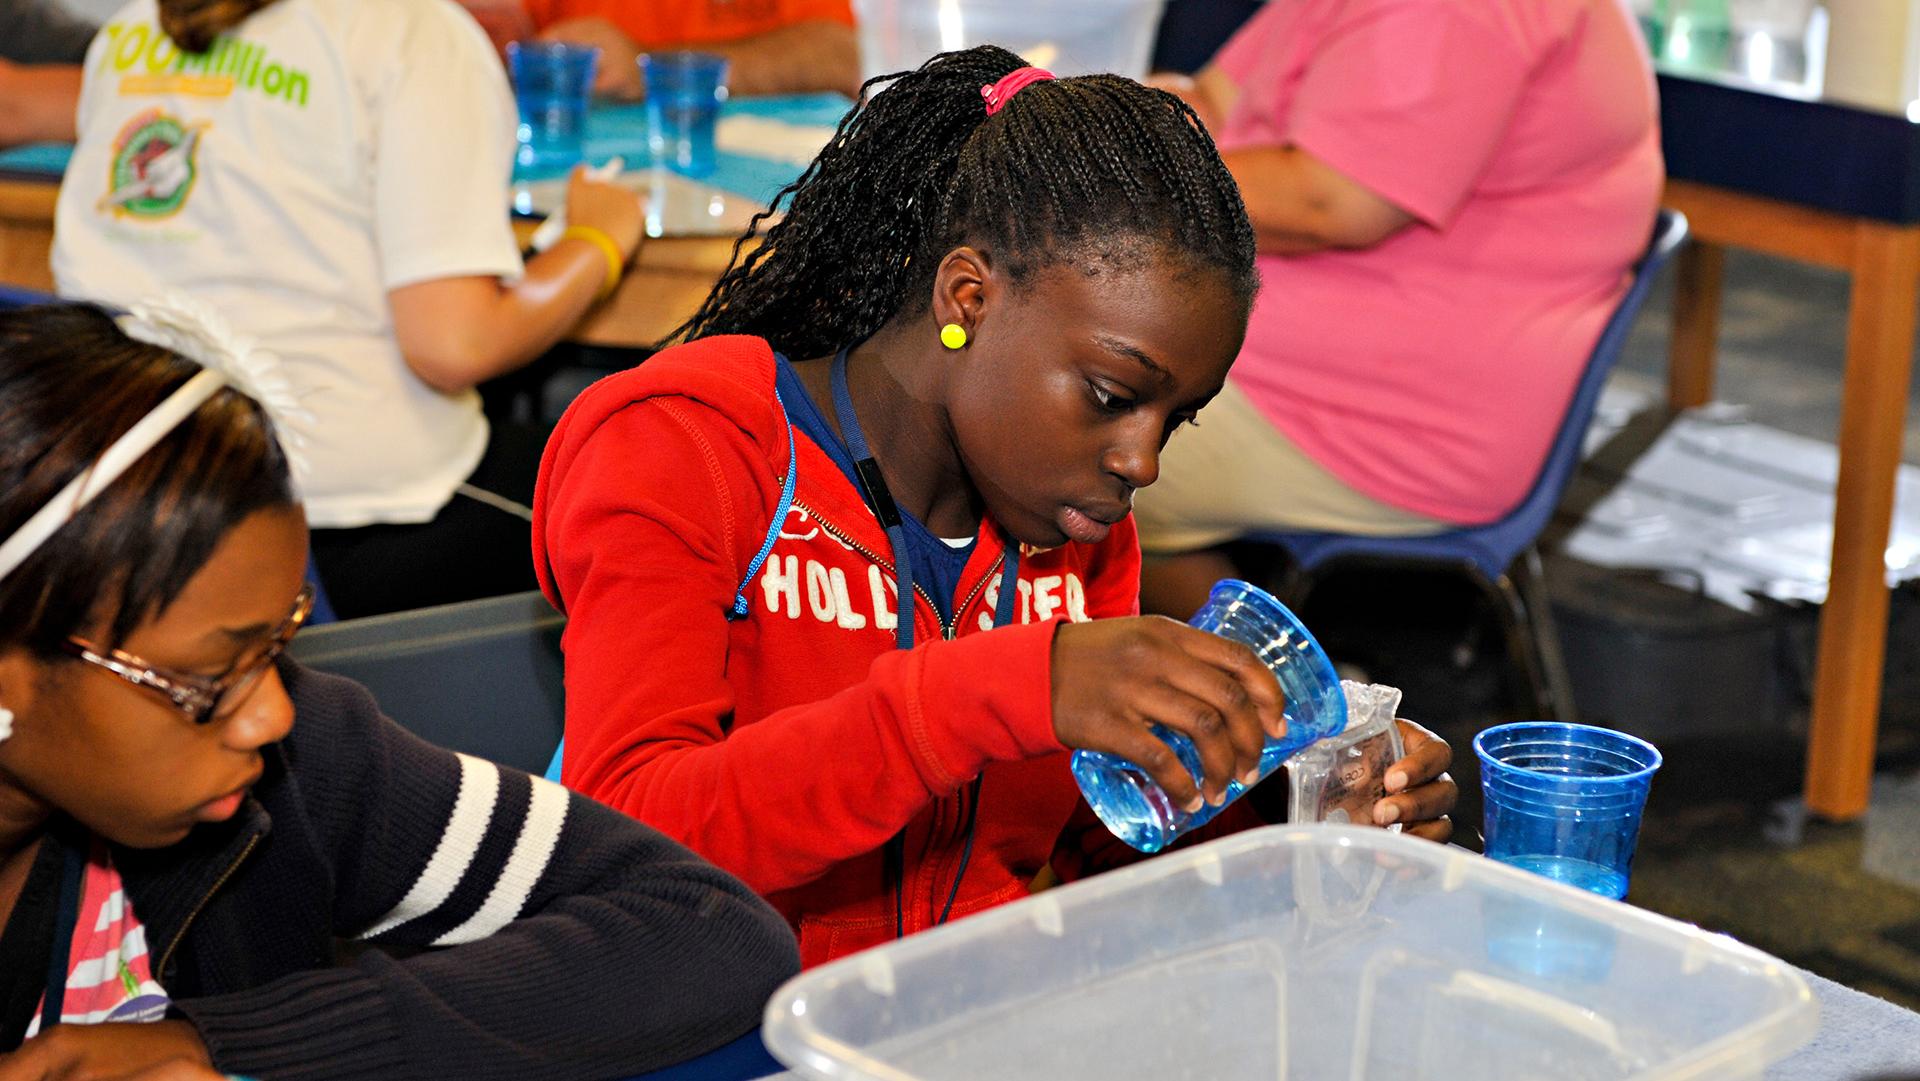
{"x": 546, "y": 936}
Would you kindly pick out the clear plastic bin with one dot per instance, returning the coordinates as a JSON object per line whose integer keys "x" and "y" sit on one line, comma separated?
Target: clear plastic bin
{"x": 1316, "y": 953}
{"x": 1067, "y": 37}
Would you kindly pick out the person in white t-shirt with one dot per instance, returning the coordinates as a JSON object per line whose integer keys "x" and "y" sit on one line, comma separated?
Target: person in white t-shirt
{"x": 333, "y": 176}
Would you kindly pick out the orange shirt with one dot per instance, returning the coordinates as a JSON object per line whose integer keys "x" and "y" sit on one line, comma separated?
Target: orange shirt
{"x": 666, "y": 23}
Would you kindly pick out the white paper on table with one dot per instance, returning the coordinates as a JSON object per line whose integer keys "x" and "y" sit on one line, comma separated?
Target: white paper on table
{"x": 758, "y": 137}
{"x": 675, "y": 206}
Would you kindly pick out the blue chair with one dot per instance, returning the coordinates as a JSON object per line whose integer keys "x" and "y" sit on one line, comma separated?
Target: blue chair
{"x": 745, "y": 1059}
{"x": 484, "y": 677}
{"x": 1501, "y": 557}
{"x": 12, "y": 296}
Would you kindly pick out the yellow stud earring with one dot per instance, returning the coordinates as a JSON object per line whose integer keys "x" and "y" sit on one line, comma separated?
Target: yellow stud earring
{"x": 953, "y": 336}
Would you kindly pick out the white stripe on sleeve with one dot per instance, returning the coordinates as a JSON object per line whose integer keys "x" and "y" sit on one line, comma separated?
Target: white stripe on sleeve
{"x": 546, "y": 814}
{"x": 466, "y": 828}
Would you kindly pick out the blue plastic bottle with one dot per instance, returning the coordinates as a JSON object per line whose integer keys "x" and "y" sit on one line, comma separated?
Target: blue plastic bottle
{"x": 1128, "y": 799}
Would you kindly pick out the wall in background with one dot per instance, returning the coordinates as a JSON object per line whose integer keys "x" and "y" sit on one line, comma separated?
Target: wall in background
{"x": 97, "y": 10}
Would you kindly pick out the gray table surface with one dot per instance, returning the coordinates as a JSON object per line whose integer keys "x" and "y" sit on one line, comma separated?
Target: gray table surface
{"x": 1860, "y": 1037}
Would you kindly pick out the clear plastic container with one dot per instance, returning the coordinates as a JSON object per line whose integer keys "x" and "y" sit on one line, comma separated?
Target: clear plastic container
{"x": 1067, "y": 37}
{"x": 1305, "y": 953}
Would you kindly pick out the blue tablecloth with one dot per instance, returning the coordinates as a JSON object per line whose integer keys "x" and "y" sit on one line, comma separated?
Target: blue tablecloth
{"x": 622, "y": 130}
{"x": 48, "y": 159}
{"x": 611, "y": 130}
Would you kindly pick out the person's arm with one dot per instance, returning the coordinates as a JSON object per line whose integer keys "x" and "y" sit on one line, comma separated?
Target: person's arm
{"x": 1420, "y": 791}
{"x": 464, "y": 308}
{"x": 648, "y": 527}
{"x": 1295, "y": 202}
{"x": 1299, "y": 204}
{"x": 38, "y": 102}
{"x": 455, "y": 333}
{"x": 555, "y": 938}
{"x": 814, "y": 55}
{"x": 1396, "y": 121}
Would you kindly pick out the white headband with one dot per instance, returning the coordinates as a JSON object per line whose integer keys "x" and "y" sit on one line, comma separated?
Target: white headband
{"x": 194, "y": 331}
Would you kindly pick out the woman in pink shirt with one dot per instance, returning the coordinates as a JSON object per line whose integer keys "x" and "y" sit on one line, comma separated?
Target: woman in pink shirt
{"x": 1447, "y": 198}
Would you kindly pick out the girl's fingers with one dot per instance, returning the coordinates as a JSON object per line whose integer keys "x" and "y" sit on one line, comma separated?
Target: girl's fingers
{"x": 1245, "y": 733}
{"x": 1254, "y": 677}
{"x": 1419, "y": 804}
{"x": 1427, "y": 757}
{"x": 1151, "y": 753}
{"x": 1198, "y": 720}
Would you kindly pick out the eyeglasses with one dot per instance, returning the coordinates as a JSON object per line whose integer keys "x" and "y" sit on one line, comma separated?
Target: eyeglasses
{"x": 204, "y": 700}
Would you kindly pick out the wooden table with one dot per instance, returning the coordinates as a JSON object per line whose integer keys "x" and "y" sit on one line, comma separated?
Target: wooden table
{"x": 1836, "y": 187}
{"x": 666, "y": 284}
{"x": 26, "y": 233}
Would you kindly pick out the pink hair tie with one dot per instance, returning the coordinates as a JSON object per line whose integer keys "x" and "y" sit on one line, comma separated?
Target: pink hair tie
{"x": 1010, "y": 84}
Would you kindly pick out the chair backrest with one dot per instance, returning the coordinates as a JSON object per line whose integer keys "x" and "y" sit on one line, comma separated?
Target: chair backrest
{"x": 484, "y": 677}
{"x": 1494, "y": 546}
{"x": 12, "y": 296}
{"x": 1525, "y": 522}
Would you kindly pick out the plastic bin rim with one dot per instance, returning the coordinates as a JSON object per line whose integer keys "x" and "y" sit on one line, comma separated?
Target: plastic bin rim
{"x": 1480, "y": 750}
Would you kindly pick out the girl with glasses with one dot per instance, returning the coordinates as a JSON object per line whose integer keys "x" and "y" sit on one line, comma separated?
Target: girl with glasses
{"x": 178, "y": 857}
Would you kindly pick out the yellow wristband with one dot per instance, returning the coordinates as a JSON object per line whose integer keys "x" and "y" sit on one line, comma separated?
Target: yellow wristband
{"x": 616, "y": 263}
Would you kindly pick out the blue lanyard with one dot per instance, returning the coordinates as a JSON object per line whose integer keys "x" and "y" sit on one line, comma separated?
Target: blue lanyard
{"x": 73, "y": 872}
{"x": 874, "y": 488}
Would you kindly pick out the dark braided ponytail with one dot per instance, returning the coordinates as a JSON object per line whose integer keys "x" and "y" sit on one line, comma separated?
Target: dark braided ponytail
{"x": 1094, "y": 168}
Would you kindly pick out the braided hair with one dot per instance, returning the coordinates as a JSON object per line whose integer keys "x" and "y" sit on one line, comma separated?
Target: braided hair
{"x": 1094, "y": 170}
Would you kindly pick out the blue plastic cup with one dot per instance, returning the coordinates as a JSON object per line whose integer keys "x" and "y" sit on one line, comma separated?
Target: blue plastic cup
{"x": 552, "y": 84}
{"x": 1564, "y": 800}
{"x": 684, "y": 92}
{"x": 1132, "y": 803}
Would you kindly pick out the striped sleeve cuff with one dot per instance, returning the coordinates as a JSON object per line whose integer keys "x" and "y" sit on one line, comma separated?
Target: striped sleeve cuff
{"x": 497, "y": 843}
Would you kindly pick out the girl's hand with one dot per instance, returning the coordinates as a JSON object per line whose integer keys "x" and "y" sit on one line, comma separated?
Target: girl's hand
{"x": 1115, "y": 678}
{"x": 607, "y": 207}
{"x": 109, "y": 1052}
{"x": 1420, "y": 792}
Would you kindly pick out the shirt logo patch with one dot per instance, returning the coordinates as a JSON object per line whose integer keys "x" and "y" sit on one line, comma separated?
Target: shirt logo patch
{"x": 153, "y": 167}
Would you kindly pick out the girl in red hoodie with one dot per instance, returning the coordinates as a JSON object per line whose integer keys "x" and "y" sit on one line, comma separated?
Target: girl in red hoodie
{"x": 917, "y": 413}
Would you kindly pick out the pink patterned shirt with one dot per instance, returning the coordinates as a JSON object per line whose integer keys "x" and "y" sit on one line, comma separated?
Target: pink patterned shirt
{"x": 110, "y": 977}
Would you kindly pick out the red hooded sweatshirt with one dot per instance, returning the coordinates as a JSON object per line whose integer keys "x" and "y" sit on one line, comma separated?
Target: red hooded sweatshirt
{"x": 790, "y": 746}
